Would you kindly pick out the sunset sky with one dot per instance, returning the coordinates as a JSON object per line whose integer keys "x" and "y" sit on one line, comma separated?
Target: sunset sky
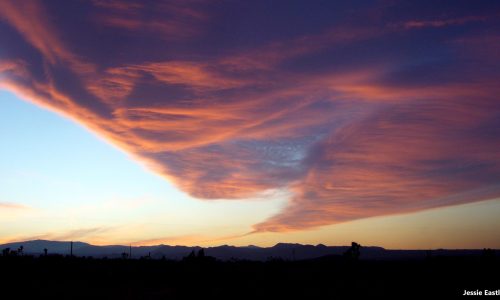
{"x": 251, "y": 122}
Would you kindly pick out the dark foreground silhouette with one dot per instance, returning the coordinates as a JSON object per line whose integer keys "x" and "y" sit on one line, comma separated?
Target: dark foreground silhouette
{"x": 199, "y": 275}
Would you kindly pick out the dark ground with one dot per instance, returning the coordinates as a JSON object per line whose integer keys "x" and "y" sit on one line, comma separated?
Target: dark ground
{"x": 333, "y": 277}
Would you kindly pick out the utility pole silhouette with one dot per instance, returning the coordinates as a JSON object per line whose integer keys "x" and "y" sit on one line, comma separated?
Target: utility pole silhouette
{"x": 71, "y": 249}
{"x": 130, "y": 252}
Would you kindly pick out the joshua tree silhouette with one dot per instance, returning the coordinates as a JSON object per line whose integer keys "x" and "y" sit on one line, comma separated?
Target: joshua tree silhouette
{"x": 201, "y": 253}
{"x": 488, "y": 255}
{"x": 45, "y": 251}
{"x": 353, "y": 252}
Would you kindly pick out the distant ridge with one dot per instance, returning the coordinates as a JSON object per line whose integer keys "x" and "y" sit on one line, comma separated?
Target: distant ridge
{"x": 286, "y": 251}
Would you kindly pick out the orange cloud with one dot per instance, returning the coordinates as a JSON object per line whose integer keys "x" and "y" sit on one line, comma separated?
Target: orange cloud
{"x": 30, "y": 19}
{"x": 402, "y": 159}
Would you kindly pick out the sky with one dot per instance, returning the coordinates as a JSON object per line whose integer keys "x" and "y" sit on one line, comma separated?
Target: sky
{"x": 251, "y": 122}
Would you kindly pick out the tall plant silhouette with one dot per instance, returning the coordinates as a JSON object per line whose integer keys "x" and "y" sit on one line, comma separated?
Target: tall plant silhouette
{"x": 353, "y": 252}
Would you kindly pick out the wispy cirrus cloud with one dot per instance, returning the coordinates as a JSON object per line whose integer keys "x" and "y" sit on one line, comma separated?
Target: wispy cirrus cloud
{"x": 165, "y": 19}
{"x": 74, "y": 234}
{"x": 357, "y": 118}
{"x": 13, "y": 206}
{"x": 190, "y": 239}
{"x": 443, "y": 22}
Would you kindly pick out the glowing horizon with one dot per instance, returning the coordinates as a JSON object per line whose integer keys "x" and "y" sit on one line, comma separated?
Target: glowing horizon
{"x": 238, "y": 129}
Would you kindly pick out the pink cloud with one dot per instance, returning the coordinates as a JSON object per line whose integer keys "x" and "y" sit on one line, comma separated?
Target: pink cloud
{"x": 443, "y": 22}
{"x": 13, "y": 206}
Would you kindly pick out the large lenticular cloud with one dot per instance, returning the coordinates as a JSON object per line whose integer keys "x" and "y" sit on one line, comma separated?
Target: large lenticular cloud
{"x": 359, "y": 109}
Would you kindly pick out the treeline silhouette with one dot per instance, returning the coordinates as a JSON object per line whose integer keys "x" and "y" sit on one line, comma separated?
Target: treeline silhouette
{"x": 199, "y": 275}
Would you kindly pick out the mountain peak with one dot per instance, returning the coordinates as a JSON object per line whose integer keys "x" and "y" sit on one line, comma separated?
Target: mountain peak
{"x": 287, "y": 245}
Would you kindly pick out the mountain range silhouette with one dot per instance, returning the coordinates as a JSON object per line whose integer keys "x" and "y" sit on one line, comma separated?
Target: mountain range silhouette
{"x": 285, "y": 251}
